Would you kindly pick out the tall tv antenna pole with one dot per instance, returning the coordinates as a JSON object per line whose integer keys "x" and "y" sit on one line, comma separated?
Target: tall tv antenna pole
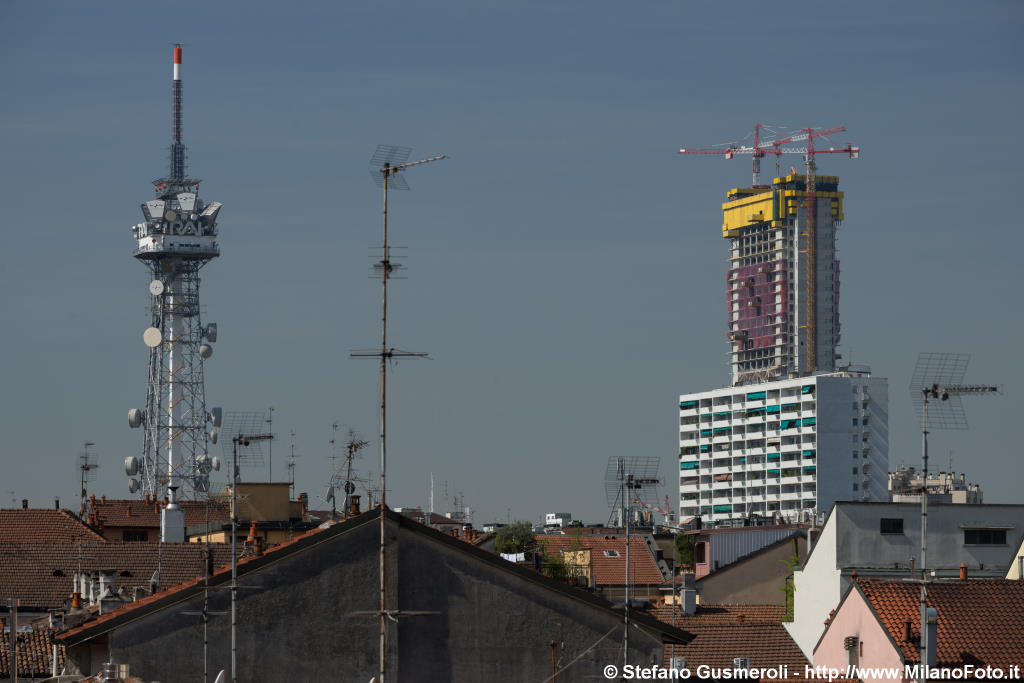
{"x": 87, "y": 465}
{"x": 936, "y": 390}
{"x": 386, "y": 165}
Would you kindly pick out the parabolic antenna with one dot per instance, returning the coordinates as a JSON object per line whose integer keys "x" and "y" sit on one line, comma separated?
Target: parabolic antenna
{"x": 171, "y": 216}
{"x": 205, "y": 351}
{"x": 133, "y": 485}
{"x": 152, "y": 337}
{"x": 156, "y": 287}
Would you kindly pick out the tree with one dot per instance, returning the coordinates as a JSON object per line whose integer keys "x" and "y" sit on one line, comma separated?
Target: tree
{"x": 514, "y": 538}
{"x": 684, "y": 549}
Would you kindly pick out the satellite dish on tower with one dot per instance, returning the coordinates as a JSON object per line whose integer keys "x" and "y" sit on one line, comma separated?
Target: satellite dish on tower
{"x": 156, "y": 287}
{"x": 152, "y": 337}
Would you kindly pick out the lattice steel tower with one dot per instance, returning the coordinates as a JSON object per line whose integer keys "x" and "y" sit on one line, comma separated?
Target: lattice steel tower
{"x": 177, "y": 238}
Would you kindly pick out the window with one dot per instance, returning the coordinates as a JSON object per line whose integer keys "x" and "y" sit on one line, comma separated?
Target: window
{"x": 611, "y": 553}
{"x": 984, "y": 536}
{"x": 699, "y": 552}
{"x": 891, "y": 525}
{"x": 134, "y": 536}
{"x": 854, "y": 422}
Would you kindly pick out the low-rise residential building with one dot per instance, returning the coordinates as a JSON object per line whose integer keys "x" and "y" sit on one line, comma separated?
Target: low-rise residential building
{"x": 764, "y": 577}
{"x": 716, "y": 548}
{"x": 943, "y": 487}
{"x": 731, "y": 636}
{"x": 124, "y": 520}
{"x": 309, "y": 610}
{"x": 877, "y": 626}
{"x": 600, "y": 562}
{"x": 883, "y": 540}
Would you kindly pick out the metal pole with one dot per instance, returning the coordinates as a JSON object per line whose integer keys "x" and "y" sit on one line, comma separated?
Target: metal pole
{"x": 383, "y": 431}
{"x": 234, "y": 561}
{"x": 13, "y": 603}
{"x": 625, "y": 610}
{"x": 924, "y": 541}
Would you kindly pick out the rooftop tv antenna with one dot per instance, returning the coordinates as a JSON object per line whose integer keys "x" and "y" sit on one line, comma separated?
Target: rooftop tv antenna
{"x": 246, "y": 440}
{"x": 291, "y": 465}
{"x": 387, "y": 163}
{"x": 937, "y": 389}
{"x": 86, "y": 464}
{"x": 176, "y": 239}
{"x": 628, "y": 481}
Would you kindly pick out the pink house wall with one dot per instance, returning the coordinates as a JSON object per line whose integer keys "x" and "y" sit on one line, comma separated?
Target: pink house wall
{"x": 854, "y": 618}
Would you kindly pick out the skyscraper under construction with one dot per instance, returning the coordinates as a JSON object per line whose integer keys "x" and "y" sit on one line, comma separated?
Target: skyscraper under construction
{"x": 780, "y": 325}
{"x": 796, "y": 431}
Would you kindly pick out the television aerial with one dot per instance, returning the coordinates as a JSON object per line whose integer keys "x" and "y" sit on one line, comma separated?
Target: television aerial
{"x": 86, "y": 464}
{"x": 629, "y": 481}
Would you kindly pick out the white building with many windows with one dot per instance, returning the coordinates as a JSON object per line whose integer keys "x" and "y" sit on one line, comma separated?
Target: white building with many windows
{"x": 786, "y": 449}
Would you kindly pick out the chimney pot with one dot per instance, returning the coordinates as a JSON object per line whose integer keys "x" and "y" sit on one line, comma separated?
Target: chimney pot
{"x": 24, "y": 503}
{"x": 76, "y": 600}
{"x": 963, "y": 571}
{"x": 740, "y": 617}
{"x": 56, "y": 503}
{"x": 92, "y": 498}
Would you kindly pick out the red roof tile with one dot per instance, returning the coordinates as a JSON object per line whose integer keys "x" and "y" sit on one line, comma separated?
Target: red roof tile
{"x": 716, "y": 645}
{"x": 979, "y": 620}
{"x": 719, "y": 614}
{"x": 43, "y": 526}
{"x": 139, "y": 514}
{"x": 41, "y": 574}
{"x": 35, "y": 653}
{"x": 608, "y": 558}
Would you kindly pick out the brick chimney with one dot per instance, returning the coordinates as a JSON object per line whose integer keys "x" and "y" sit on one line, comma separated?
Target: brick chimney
{"x": 963, "y": 571}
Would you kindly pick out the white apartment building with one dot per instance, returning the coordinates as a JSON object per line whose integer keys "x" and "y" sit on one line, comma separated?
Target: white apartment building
{"x": 784, "y": 449}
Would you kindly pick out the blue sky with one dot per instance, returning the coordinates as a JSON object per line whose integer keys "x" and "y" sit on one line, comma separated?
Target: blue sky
{"x": 566, "y": 267}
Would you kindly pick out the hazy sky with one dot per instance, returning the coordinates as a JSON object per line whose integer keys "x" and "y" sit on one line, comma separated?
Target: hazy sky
{"x": 566, "y": 267}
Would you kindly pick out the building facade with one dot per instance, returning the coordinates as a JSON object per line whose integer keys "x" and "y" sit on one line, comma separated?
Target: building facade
{"x": 783, "y": 280}
{"x": 785, "y": 449}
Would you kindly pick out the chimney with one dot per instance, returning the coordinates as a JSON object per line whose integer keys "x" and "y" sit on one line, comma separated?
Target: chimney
{"x": 353, "y": 506}
{"x": 252, "y": 532}
{"x": 688, "y": 598}
{"x": 739, "y": 618}
{"x": 963, "y": 571}
{"x": 56, "y": 503}
{"x": 906, "y": 631}
{"x": 1020, "y": 567}
{"x": 24, "y": 503}
{"x": 76, "y": 600}
{"x": 128, "y": 510}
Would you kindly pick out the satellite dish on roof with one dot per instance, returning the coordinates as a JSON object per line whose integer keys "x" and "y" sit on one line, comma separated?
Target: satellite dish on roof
{"x": 152, "y": 337}
{"x": 156, "y": 287}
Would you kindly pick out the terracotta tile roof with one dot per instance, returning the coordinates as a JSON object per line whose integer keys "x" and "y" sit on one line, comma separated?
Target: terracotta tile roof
{"x": 35, "y": 653}
{"x": 41, "y": 574}
{"x": 608, "y": 558}
{"x": 35, "y": 525}
{"x": 720, "y": 614}
{"x": 979, "y": 619}
{"x": 716, "y": 645}
{"x": 140, "y": 514}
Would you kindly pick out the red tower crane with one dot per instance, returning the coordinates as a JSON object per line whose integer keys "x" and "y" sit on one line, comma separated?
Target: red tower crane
{"x": 760, "y": 149}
